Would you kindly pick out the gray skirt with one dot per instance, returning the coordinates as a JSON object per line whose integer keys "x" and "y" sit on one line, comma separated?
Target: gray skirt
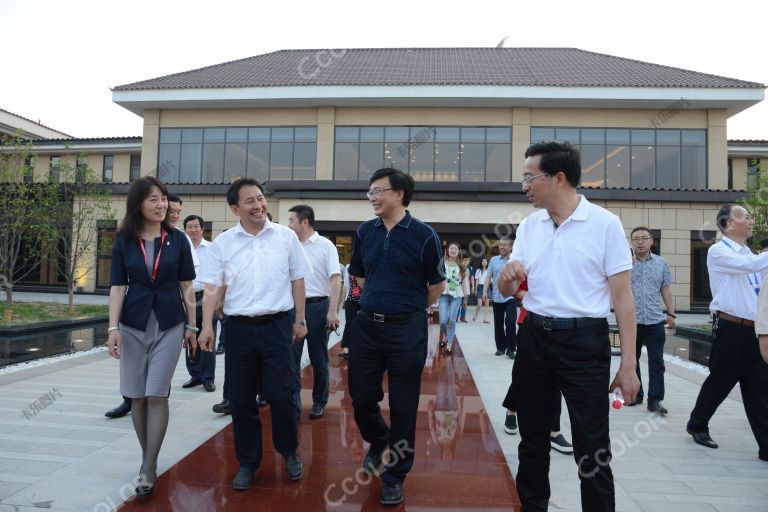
{"x": 148, "y": 359}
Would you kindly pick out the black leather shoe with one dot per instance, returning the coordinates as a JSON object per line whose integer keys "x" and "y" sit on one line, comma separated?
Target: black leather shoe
{"x": 244, "y": 479}
{"x": 391, "y": 493}
{"x": 222, "y": 407}
{"x": 657, "y": 407}
{"x": 499, "y": 353}
{"x": 702, "y": 438}
{"x": 317, "y": 411}
{"x": 294, "y": 467}
{"x": 219, "y": 350}
{"x": 119, "y": 411}
{"x": 191, "y": 383}
{"x": 209, "y": 386}
{"x": 511, "y": 354}
{"x": 372, "y": 461}
{"x": 261, "y": 402}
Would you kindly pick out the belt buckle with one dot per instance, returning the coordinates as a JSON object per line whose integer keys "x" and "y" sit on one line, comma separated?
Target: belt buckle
{"x": 546, "y": 324}
{"x": 378, "y": 317}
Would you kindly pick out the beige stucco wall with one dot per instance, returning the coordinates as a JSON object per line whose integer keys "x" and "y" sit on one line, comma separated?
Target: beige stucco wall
{"x": 739, "y": 169}
{"x": 149, "y": 142}
{"x": 717, "y": 150}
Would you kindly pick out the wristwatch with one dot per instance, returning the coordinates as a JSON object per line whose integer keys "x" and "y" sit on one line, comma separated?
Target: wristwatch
{"x": 301, "y": 322}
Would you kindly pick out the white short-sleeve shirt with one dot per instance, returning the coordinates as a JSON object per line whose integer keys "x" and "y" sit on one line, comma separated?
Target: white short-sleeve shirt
{"x": 568, "y": 267}
{"x": 324, "y": 259}
{"x": 257, "y": 269}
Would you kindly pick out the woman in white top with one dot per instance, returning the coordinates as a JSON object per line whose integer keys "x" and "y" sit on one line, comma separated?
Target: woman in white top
{"x": 480, "y": 276}
{"x": 450, "y": 300}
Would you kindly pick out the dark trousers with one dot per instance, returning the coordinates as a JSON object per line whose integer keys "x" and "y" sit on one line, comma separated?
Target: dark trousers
{"x": 578, "y": 362}
{"x": 317, "y": 346}
{"x": 221, "y": 334}
{"x": 735, "y": 357}
{"x": 350, "y": 312}
{"x": 504, "y": 318}
{"x": 203, "y": 364}
{"x": 259, "y": 359}
{"x": 653, "y": 337}
{"x": 400, "y": 349}
{"x": 557, "y": 406}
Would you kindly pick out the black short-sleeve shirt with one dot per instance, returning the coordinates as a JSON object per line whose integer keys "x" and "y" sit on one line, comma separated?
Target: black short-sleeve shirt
{"x": 398, "y": 265}
{"x": 163, "y": 295}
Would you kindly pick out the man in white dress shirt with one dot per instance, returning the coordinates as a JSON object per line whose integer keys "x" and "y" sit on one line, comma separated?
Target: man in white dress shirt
{"x": 202, "y": 364}
{"x": 735, "y": 278}
{"x": 322, "y": 285}
{"x": 263, "y": 266}
{"x": 576, "y": 259}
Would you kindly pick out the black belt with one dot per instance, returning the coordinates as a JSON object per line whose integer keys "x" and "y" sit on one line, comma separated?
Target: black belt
{"x": 391, "y": 317}
{"x": 549, "y": 323}
{"x": 315, "y": 299}
{"x": 258, "y": 320}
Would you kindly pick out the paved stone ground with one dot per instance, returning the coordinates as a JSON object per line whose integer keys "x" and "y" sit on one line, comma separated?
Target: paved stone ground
{"x": 69, "y": 458}
{"x": 656, "y": 464}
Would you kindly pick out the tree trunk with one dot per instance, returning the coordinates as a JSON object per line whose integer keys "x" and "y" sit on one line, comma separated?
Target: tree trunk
{"x": 71, "y": 309}
{"x": 8, "y": 303}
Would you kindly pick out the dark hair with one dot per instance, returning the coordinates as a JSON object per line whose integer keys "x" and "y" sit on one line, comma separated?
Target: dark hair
{"x": 462, "y": 268}
{"x": 640, "y": 228}
{"x": 304, "y": 212}
{"x": 398, "y": 180}
{"x": 133, "y": 222}
{"x": 723, "y": 216}
{"x": 193, "y": 217}
{"x": 558, "y": 157}
{"x": 175, "y": 199}
{"x": 233, "y": 192}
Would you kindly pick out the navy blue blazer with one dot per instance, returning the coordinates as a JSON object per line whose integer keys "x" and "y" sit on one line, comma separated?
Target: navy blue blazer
{"x": 163, "y": 296}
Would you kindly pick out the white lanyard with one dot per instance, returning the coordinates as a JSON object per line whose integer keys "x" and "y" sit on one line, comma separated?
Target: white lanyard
{"x": 756, "y": 285}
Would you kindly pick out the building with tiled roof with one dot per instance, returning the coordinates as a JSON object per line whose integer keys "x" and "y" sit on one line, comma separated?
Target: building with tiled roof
{"x": 314, "y": 124}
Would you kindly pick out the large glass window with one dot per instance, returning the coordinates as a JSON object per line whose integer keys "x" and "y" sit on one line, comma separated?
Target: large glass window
{"x": 218, "y": 155}
{"x": 135, "y": 167}
{"x": 636, "y": 158}
{"x": 428, "y": 153}
{"x": 108, "y": 168}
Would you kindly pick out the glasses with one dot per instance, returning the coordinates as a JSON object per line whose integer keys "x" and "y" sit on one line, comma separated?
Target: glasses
{"x": 376, "y": 192}
{"x": 528, "y": 178}
{"x": 641, "y": 238}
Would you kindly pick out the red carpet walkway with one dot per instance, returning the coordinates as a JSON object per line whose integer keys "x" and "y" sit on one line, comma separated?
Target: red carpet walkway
{"x": 459, "y": 463}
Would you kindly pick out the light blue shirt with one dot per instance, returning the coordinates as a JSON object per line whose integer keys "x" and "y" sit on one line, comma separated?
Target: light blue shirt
{"x": 495, "y": 267}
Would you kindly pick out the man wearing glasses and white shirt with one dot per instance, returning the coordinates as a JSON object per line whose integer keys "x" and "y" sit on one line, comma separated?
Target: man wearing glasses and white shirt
{"x": 735, "y": 276}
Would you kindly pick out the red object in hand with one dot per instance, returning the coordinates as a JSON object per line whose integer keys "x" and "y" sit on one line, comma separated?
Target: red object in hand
{"x": 617, "y": 404}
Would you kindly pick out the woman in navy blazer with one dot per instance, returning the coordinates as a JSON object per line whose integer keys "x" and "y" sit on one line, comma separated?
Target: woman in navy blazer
{"x": 152, "y": 272}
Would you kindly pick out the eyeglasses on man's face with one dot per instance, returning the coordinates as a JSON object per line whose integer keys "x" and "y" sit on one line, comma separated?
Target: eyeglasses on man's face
{"x": 641, "y": 238}
{"x": 528, "y": 178}
{"x": 376, "y": 192}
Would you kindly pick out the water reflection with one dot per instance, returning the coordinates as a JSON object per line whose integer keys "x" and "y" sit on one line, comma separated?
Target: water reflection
{"x": 27, "y": 347}
{"x": 696, "y": 351}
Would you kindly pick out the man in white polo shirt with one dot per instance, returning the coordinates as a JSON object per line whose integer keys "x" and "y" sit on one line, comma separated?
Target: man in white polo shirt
{"x": 576, "y": 259}
{"x": 263, "y": 267}
{"x": 322, "y": 285}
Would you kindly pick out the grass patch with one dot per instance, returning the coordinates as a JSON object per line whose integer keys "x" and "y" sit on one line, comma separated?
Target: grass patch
{"x": 34, "y": 312}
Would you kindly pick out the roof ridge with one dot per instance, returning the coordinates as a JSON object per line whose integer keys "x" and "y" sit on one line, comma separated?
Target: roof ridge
{"x": 35, "y": 122}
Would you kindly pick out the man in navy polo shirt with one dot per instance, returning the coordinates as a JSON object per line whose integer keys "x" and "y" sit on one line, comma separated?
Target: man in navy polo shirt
{"x": 397, "y": 261}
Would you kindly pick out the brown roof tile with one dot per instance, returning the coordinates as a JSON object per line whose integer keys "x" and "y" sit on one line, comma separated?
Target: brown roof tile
{"x": 534, "y": 67}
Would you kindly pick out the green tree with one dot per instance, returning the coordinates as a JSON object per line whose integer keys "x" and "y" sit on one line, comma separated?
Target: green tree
{"x": 85, "y": 201}
{"x": 756, "y": 203}
{"x": 25, "y": 215}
